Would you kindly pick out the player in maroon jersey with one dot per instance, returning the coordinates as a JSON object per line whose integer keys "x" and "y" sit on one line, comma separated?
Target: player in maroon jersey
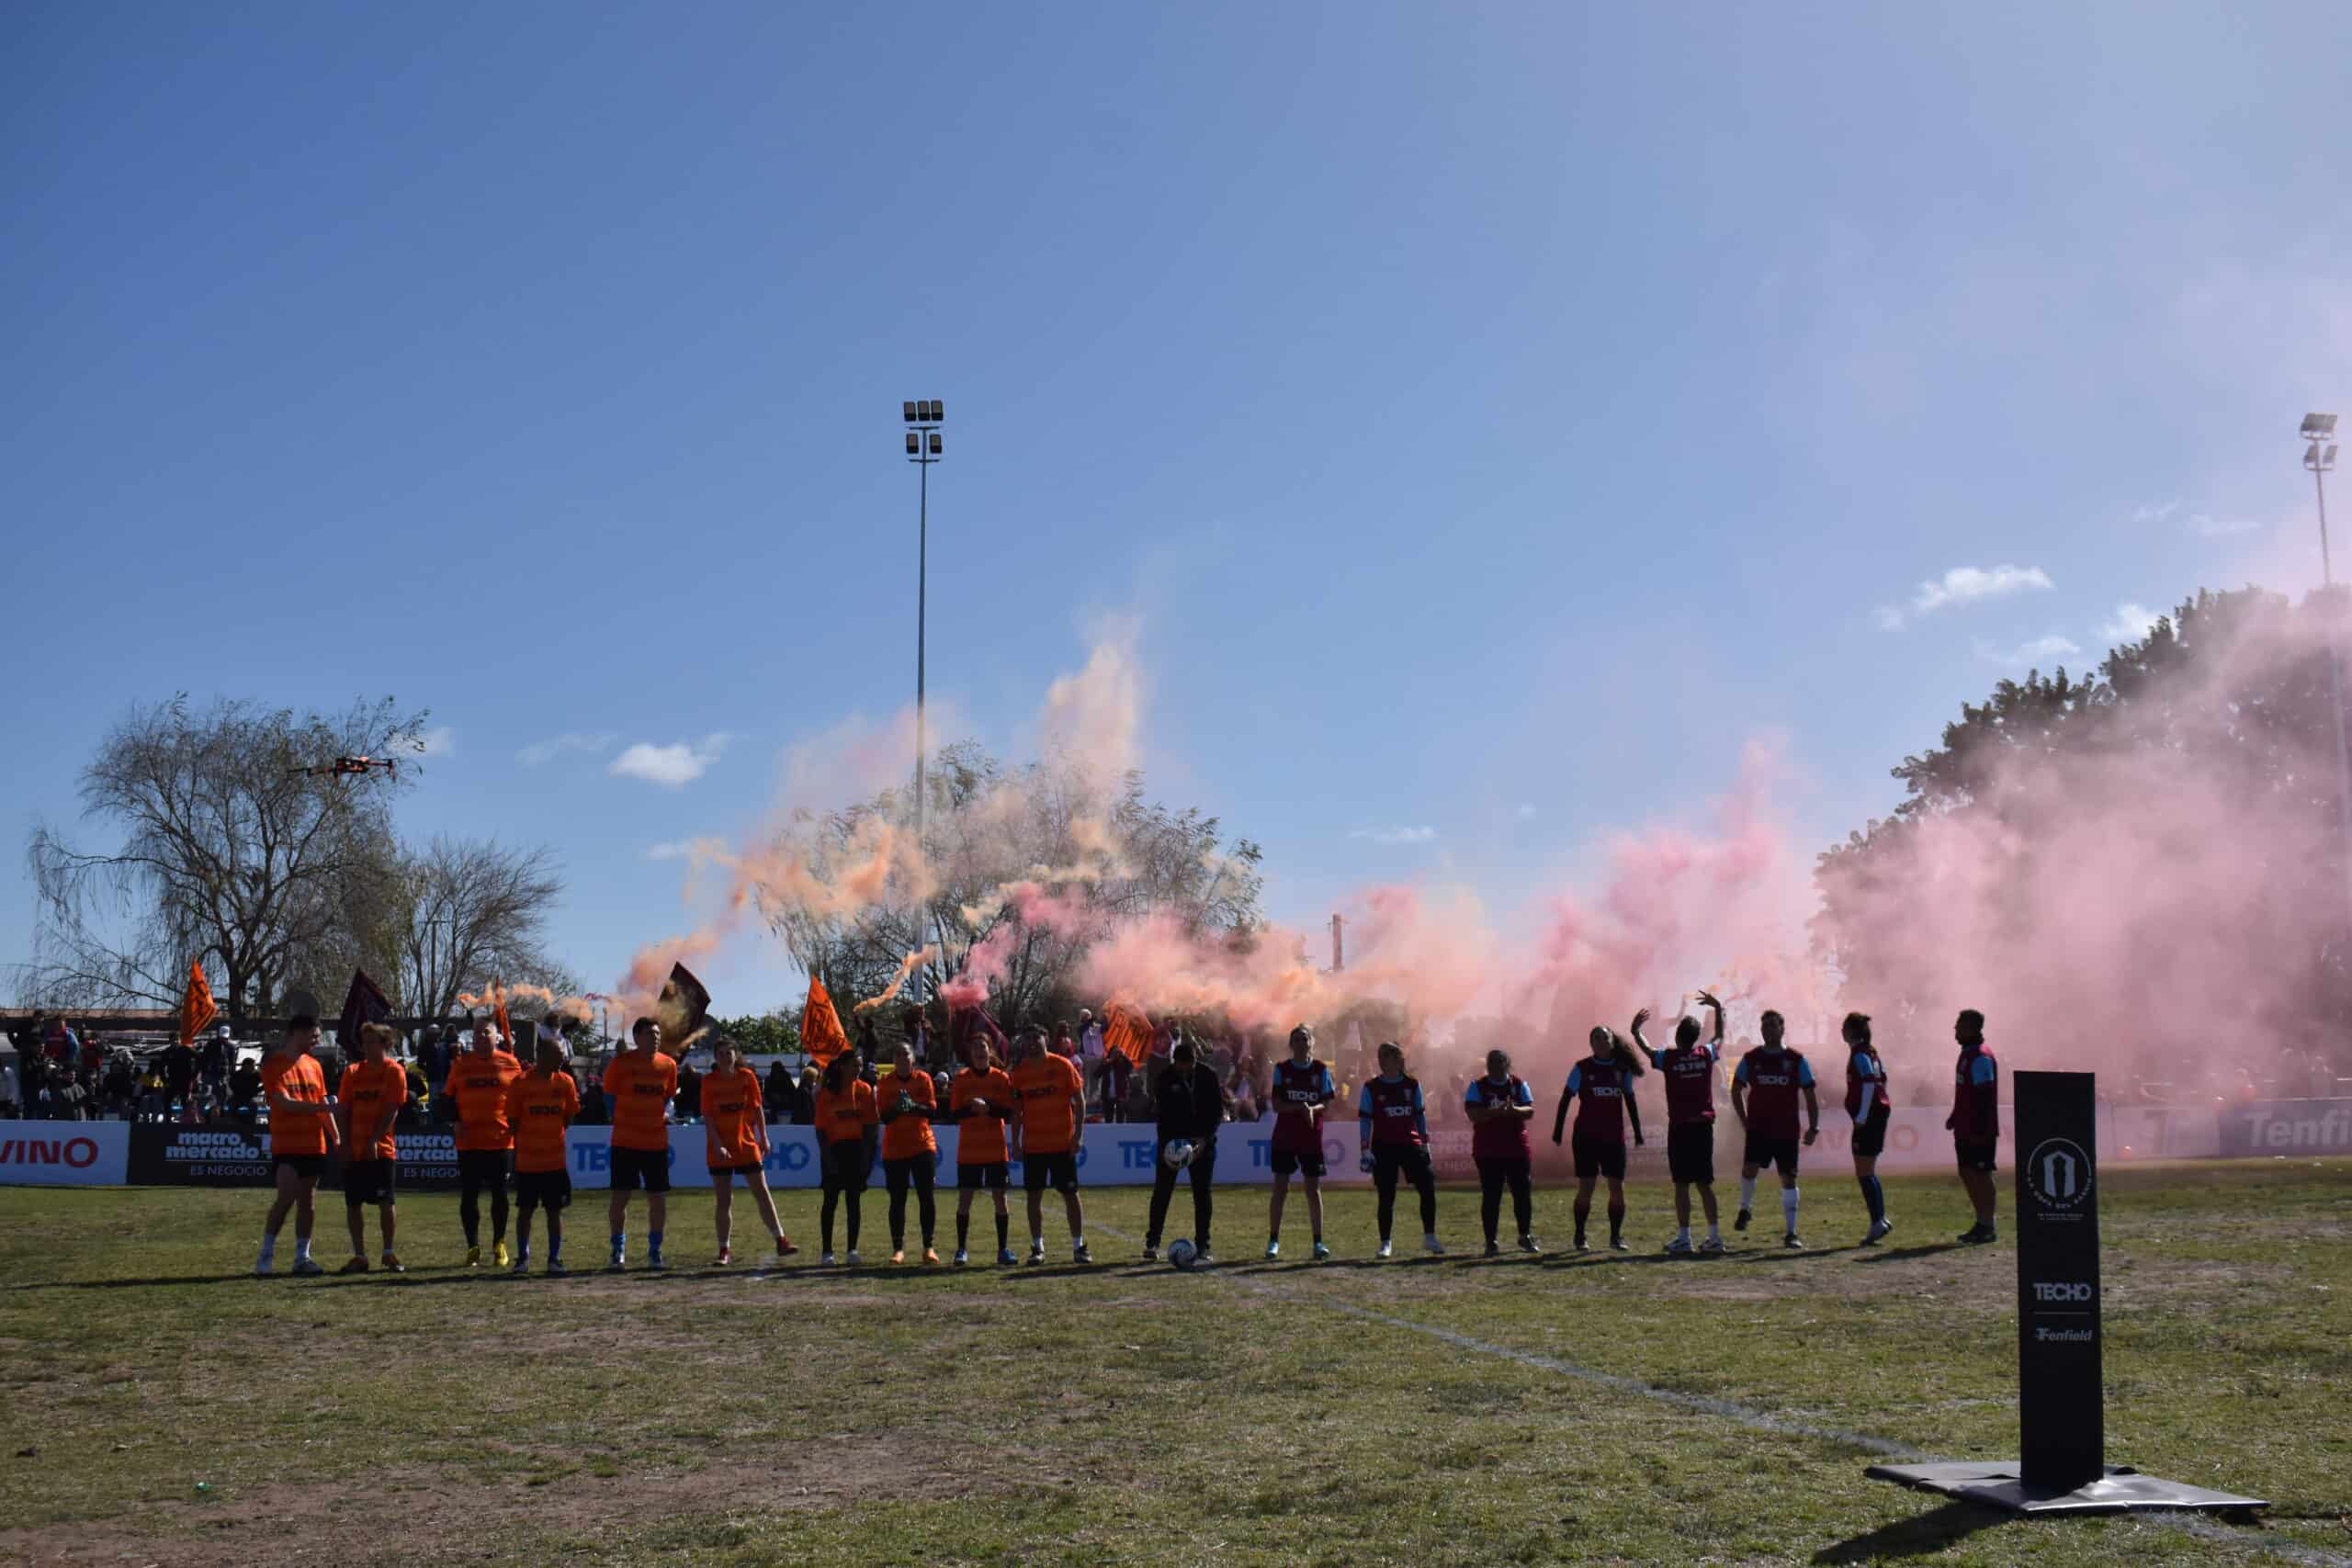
{"x": 1394, "y": 1124}
{"x": 1602, "y": 1087}
{"x": 1976, "y": 1121}
{"x": 1764, "y": 1095}
{"x": 1689, "y": 1068}
{"x": 1302, "y": 1088}
{"x": 1500, "y": 1106}
{"x": 1868, "y": 1103}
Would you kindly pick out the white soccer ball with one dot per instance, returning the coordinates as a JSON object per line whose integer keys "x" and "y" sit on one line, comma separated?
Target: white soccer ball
{"x": 1181, "y": 1253}
{"x": 1178, "y": 1154}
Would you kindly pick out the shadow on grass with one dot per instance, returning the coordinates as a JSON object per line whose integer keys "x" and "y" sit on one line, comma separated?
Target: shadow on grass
{"x": 1926, "y": 1249}
{"x": 1920, "y": 1536}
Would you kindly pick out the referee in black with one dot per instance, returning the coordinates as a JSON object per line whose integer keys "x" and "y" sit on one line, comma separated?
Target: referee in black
{"x": 1192, "y": 1108}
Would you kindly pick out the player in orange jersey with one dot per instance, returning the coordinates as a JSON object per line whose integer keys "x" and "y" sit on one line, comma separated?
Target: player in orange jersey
{"x": 539, "y": 1107}
{"x": 301, "y": 1130}
{"x": 907, "y": 1101}
{"x": 374, "y": 1088}
{"x": 735, "y": 1127}
{"x": 478, "y": 1082}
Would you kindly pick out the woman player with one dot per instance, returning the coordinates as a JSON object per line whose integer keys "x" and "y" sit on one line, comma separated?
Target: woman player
{"x": 845, "y": 1123}
{"x": 1867, "y": 1103}
{"x": 1394, "y": 1129}
{"x": 735, "y": 1142}
{"x": 910, "y": 1152}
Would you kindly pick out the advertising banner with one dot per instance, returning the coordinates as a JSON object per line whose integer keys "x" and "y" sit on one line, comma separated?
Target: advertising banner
{"x": 2285, "y": 1127}
{"x": 63, "y": 1154}
{"x": 2060, "y": 1422}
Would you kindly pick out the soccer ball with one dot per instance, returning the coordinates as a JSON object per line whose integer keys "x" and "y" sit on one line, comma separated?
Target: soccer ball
{"x": 1178, "y": 1154}
{"x": 1181, "y": 1253}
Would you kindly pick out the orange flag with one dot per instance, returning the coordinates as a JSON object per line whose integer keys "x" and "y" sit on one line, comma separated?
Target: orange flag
{"x": 821, "y": 1027}
{"x": 498, "y": 1012}
{"x": 1129, "y": 1032}
{"x": 196, "y": 1011}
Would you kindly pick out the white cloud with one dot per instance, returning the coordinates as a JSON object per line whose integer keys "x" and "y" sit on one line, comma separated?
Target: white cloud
{"x": 540, "y": 752}
{"x": 439, "y": 741}
{"x": 2155, "y": 511}
{"x": 2129, "y": 624}
{"x": 672, "y": 766}
{"x": 676, "y": 848}
{"x": 1394, "y": 835}
{"x": 1890, "y": 620}
{"x": 1966, "y": 585}
{"x": 2052, "y": 647}
{"x": 2220, "y": 527}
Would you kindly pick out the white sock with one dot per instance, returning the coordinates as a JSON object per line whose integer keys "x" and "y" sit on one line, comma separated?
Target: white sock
{"x": 1747, "y": 1192}
{"x": 1683, "y": 1236}
{"x": 1715, "y": 1233}
{"x": 1789, "y": 1207}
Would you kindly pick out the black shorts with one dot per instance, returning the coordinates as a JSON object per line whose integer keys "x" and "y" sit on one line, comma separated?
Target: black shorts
{"x": 549, "y": 1190}
{"x": 845, "y": 1165}
{"x": 367, "y": 1181}
{"x": 1974, "y": 1155}
{"x": 1869, "y": 1137}
{"x": 724, "y": 1175}
{"x": 1299, "y": 1162}
{"x": 1598, "y": 1156}
{"x": 635, "y": 1168}
{"x": 1780, "y": 1152}
{"x": 1058, "y": 1171}
{"x": 480, "y": 1168}
{"x": 995, "y": 1177}
{"x": 1410, "y": 1161}
{"x": 1690, "y": 1152}
{"x": 310, "y": 1168}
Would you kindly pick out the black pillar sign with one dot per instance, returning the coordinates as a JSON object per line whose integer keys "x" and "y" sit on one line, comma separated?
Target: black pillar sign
{"x": 2062, "y": 1432}
{"x": 2061, "y": 1467}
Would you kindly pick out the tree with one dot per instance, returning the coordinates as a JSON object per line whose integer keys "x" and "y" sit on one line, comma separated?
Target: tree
{"x": 2157, "y": 849}
{"x": 1026, "y": 866}
{"x": 231, "y": 852}
{"x": 470, "y": 912}
{"x": 768, "y": 1035}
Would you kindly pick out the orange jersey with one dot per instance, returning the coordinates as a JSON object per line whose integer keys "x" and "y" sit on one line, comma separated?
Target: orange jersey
{"x": 734, "y": 1118}
{"x": 374, "y": 1091}
{"x": 908, "y": 1133}
{"x": 1045, "y": 1087}
{"x": 296, "y": 1078}
{"x": 641, "y": 1089}
{"x": 539, "y": 1106}
{"x": 840, "y": 1117}
{"x": 982, "y": 1140}
{"x": 479, "y": 1085}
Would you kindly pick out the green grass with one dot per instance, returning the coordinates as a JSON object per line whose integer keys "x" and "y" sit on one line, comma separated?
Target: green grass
{"x": 1285, "y": 1414}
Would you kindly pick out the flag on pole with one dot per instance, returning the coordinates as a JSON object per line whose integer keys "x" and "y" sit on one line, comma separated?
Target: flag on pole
{"x": 363, "y": 1003}
{"x": 1129, "y": 1032}
{"x": 684, "y": 1005}
{"x": 821, "y": 1034}
{"x": 197, "y": 1009}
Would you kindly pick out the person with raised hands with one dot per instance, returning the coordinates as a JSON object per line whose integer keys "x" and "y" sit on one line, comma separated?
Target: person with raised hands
{"x": 1688, "y": 1067}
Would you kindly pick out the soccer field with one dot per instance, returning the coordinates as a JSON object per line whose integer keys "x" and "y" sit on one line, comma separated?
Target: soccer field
{"x": 164, "y": 1408}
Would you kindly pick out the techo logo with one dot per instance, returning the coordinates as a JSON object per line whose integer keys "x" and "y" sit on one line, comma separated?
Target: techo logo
{"x": 2063, "y": 1291}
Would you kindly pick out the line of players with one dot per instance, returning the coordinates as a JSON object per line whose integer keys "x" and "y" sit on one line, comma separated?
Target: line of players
{"x": 1034, "y": 1112}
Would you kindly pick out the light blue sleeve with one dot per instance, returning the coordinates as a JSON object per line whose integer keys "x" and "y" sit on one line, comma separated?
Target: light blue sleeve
{"x": 1325, "y": 1087}
{"x": 1805, "y": 1073}
{"x": 1575, "y": 1078}
{"x": 1741, "y": 1075}
{"x": 1983, "y": 1071}
{"x": 1476, "y": 1094}
{"x": 1363, "y": 1101}
{"x": 1525, "y": 1096}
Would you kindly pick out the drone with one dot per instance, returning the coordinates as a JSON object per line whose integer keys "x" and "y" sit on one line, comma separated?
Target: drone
{"x": 349, "y": 767}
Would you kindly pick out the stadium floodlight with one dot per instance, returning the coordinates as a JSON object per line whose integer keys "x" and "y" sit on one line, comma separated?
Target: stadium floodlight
{"x": 934, "y": 443}
{"x": 914, "y": 443}
{"x": 912, "y": 413}
{"x": 2318, "y": 426}
{"x": 924, "y": 449}
{"x": 2319, "y": 460}
{"x": 937, "y": 412}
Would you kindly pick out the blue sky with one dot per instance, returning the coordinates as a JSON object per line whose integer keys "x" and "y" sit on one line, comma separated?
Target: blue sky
{"x": 1483, "y": 409}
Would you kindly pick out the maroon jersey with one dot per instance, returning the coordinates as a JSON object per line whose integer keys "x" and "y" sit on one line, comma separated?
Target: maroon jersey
{"x": 1977, "y": 1074}
{"x": 1501, "y": 1137}
{"x": 1774, "y": 1080}
{"x": 1689, "y": 1082}
{"x": 1600, "y": 1089}
{"x": 1394, "y": 1108}
{"x": 1296, "y": 1085}
{"x": 1861, "y": 1068}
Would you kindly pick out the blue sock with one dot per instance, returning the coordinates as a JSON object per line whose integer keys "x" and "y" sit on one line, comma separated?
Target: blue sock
{"x": 620, "y": 1243}
{"x": 1875, "y": 1196}
{"x": 652, "y": 1244}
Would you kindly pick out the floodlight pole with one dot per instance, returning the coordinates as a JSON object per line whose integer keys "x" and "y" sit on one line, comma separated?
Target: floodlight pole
{"x": 924, "y": 418}
{"x": 2317, "y": 459}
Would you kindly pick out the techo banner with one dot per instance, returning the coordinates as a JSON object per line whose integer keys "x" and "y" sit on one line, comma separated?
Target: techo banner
{"x": 63, "y": 1154}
